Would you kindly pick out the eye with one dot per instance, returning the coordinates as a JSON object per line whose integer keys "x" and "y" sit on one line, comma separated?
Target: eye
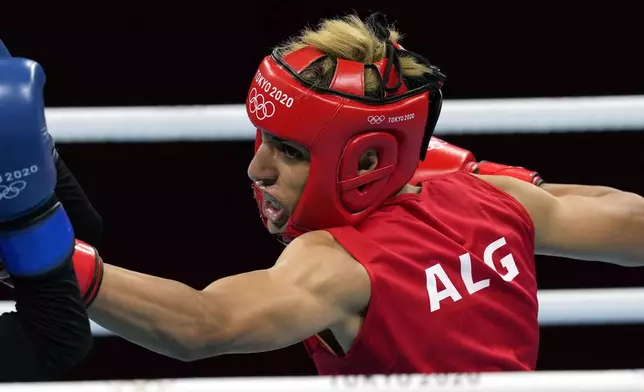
{"x": 290, "y": 151}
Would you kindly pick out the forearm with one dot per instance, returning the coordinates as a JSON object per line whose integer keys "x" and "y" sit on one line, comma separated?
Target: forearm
{"x": 626, "y": 217}
{"x": 161, "y": 315}
{"x": 608, "y": 227}
{"x": 581, "y": 190}
{"x": 582, "y": 222}
{"x": 86, "y": 221}
{"x": 50, "y": 333}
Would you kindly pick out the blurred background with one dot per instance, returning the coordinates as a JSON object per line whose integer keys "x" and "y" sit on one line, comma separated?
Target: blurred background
{"x": 184, "y": 210}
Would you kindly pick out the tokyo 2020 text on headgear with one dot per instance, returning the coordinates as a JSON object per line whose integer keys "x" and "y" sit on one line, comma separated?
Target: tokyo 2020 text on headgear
{"x": 339, "y": 123}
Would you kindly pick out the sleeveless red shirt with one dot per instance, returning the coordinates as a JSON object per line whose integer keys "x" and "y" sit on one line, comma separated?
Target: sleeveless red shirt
{"x": 453, "y": 285}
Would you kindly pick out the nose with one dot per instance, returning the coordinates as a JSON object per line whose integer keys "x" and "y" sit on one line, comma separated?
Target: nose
{"x": 262, "y": 168}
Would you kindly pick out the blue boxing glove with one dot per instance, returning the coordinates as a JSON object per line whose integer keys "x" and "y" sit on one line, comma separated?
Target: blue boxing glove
{"x": 36, "y": 235}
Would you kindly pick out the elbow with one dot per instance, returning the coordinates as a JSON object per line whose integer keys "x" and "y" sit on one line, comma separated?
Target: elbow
{"x": 188, "y": 355}
{"x": 188, "y": 348}
{"x": 61, "y": 357}
{"x": 81, "y": 350}
{"x": 212, "y": 333}
{"x": 196, "y": 345}
{"x": 79, "y": 347}
{"x": 631, "y": 262}
{"x": 207, "y": 341}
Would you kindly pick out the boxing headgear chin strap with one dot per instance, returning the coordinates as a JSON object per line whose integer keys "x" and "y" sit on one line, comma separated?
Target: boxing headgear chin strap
{"x": 337, "y": 125}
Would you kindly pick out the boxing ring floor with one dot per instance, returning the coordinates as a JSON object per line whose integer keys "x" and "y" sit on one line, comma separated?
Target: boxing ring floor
{"x": 604, "y": 306}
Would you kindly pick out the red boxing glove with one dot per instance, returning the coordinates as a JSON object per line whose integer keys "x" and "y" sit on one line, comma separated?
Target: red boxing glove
{"x": 497, "y": 169}
{"x": 88, "y": 266}
{"x": 443, "y": 157}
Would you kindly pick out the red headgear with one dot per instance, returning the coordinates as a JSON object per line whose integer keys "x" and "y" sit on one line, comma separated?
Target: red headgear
{"x": 338, "y": 124}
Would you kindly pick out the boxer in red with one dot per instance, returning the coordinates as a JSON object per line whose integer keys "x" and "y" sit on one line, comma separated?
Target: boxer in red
{"x": 389, "y": 267}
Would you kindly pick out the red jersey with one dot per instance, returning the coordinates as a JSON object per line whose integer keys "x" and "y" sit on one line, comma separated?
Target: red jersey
{"x": 453, "y": 285}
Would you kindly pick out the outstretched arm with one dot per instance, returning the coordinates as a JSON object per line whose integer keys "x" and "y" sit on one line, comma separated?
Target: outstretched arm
{"x": 587, "y": 223}
{"x": 86, "y": 221}
{"x": 313, "y": 286}
{"x": 611, "y": 194}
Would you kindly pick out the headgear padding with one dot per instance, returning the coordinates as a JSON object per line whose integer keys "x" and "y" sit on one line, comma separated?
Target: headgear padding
{"x": 338, "y": 125}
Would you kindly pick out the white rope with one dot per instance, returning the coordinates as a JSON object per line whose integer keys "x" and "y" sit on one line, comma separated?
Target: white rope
{"x": 556, "y": 307}
{"x": 576, "y": 381}
{"x": 229, "y": 122}
{"x": 591, "y": 306}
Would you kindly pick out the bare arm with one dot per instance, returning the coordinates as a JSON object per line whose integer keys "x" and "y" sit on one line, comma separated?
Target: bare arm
{"x": 587, "y": 190}
{"x": 587, "y": 223}
{"x": 312, "y": 286}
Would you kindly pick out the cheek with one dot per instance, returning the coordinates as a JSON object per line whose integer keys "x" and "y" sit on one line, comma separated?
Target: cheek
{"x": 297, "y": 183}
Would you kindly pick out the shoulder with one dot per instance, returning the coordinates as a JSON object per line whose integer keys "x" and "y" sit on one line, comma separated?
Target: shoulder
{"x": 537, "y": 203}
{"x": 530, "y": 196}
{"x": 318, "y": 249}
{"x": 317, "y": 244}
{"x": 316, "y": 260}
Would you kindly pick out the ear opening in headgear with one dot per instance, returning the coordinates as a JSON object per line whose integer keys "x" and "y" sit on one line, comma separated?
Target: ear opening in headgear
{"x": 353, "y": 185}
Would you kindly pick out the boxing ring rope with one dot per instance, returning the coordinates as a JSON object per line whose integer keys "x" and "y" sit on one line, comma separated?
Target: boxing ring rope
{"x": 498, "y": 116}
{"x": 556, "y": 308}
{"x": 577, "y": 381}
{"x": 229, "y": 122}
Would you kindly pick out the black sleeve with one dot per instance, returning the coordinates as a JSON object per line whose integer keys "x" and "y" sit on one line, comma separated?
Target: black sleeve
{"x": 86, "y": 221}
{"x": 49, "y": 333}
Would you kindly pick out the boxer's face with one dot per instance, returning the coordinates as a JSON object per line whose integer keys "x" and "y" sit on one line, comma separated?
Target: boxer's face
{"x": 280, "y": 169}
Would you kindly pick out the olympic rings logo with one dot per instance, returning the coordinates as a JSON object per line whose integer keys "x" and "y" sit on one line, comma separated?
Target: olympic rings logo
{"x": 374, "y": 120}
{"x": 12, "y": 190}
{"x": 263, "y": 109}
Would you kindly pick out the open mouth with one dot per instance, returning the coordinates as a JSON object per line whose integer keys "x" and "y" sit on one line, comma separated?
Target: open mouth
{"x": 274, "y": 211}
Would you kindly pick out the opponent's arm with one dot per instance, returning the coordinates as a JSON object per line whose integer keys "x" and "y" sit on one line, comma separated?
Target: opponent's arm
{"x": 583, "y": 190}
{"x": 443, "y": 157}
{"x": 86, "y": 221}
{"x": 313, "y": 285}
{"x": 50, "y": 332}
{"x": 604, "y": 225}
